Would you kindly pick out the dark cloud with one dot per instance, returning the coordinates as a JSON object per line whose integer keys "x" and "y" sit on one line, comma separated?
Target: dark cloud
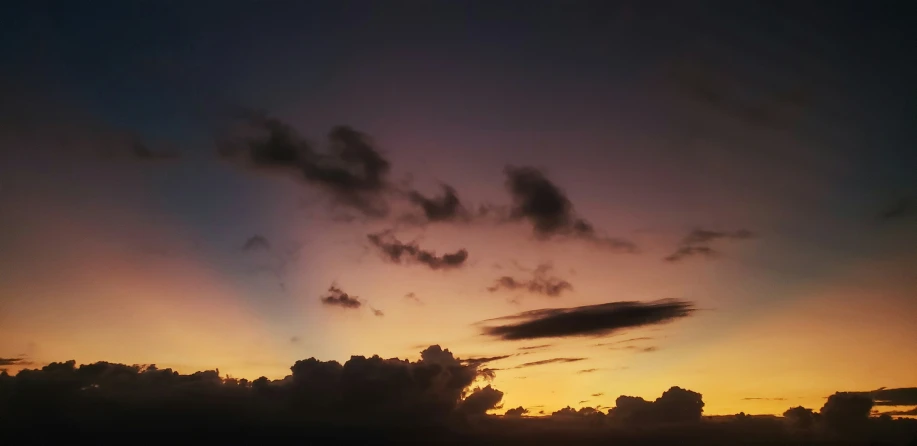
{"x": 353, "y": 173}
{"x": 480, "y": 401}
{"x": 376, "y": 312}
{"x": 542, "y": 282}
{"x": 597, "y": 394}
{"x": 846, "y": 411}
{"x": 483, "y": 360}
{"x": 587, "y": 370}
{"x": 335, "y": 296}
{"x": 516, "y": 412}
{"x": 413, "y": 298}
{"x": 543, "y": 204}
{"x": 912, "y": 412}
{"x": 19, "y": 361}
{"x": 649, "y": 349}
{"x": 697, "y": 243}
{"x": 535, "y": 347}
{"x": 900, "y": 208}
{"x": 446, "y": 207}
{"x": 799, "y": 417}
{"x": 676, "y": 405}
{"x": 548, "y": 361}
{"x": 903, "y": 396}
{"x": 256, "y": 243}
{"x": 625, "y": 341}
{"x": 405, "y": 253}
{"x": 590, "y": 320}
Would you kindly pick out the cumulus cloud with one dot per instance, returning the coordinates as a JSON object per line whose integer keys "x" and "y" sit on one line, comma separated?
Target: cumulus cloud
{"x": 800, "y": 417}
{"x": 676, "y": 405}
{"x": 337, "y": 297}
{"x": 697, "y": 243}
{"x": 540, "y": 202}
{"x": 589, "y": 320}
{"x": 396, "y": 251}
{"x": 542, "y": 282}
{"x": 480, "y": 401}
{"x": 353, "y": 173}
{"x": 548, "y": 361}
{"x": 845, "y": 411}
{"x": 516, "y": 412}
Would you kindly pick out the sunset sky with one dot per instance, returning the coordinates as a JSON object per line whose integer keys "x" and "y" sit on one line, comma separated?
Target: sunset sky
{"x": 754, "y": 165}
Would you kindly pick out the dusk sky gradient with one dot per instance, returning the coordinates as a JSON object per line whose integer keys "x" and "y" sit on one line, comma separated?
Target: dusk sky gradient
{"x": 787, "y": 131}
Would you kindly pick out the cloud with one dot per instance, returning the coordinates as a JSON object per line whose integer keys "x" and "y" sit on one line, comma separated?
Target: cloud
{"x": 295, "y": 339}
{"x": 352, "y": 173}
{"x": 697, "y": 243}
{"x": 548, "y": 361}
{"x": 413, "y": 298}
{"x": 912, "y": 412}
{"x": 404, "y": 253}
{"x": 535, "y": 347}
{"x": 903, "y": 396}
{"x": 846, "y": 411}
{"x": 480, "y": 401}
{"x": 800, "y": 417}
{"x": 763, "y": 399}
{"x": 256, "y": 243}
{"x": 446, "y": 207}
{"x": 335, "y": 296}
{"x": 484, "y": 360}
{"x": 516, "y": 412}
{"x": 20, "y": 361}
{"x": 587, "y": 370}
{"x": 900, "y": 208}
{"x": 625, "y": 341}
{"x": 590, "y": 320}
{"x": 676, "y": 405}
{"x": 540, "y": 202}
{"x": 377, "y": 313}
{"x": 595, "y": 395}
{"x": 541, "y": 283}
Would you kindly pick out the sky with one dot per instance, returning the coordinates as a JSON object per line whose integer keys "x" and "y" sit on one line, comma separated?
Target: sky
{"x": 720, "y": 198}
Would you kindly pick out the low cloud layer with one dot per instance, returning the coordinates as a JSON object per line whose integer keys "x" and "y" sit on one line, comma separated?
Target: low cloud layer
{"x": 697, "y": 243}
{"x": 542, "y": 283}
{"x": 540, "y": 202}
{"x": 399, "y": 252}
{"x": 590, "y": 320}
{"x": 902, "y": 396}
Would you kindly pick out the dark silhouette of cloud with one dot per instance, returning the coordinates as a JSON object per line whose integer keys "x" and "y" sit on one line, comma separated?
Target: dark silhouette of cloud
{"x": 516, "y": 412}
{"x": 912, "y": 412}
{"x": 548, "y": 361}
{"x": 413, "y": 298}
{"x": 535, "y": 347}
{"x": 587, "y": 370}
{"x": 697, "y": 243}
{"x": 335, "y": 296}
{"x": 395, "y": 251}
{"x": 256, "y": 243}
{"x": 676, "y": 405}
{"x": 597, "y": 394}
{"x": 541, "y": 283}
{"x": 376, "y": 312}
{"x": 900, "y": 208}
{"x": 446, "y": 207}
{"x": 846, "y": 411}
{"x": 483, "y": 360}
{"x": 590, "y": 320}
{"x": 540, "y": 202}
{"x": 480, "y": 401}
{"x": 799, "y": 417}
{"x": 625, "y": 341}
{"x": 20, "y": 361}
{"x": 903, "y": 396}
{"x": 353, "y": 173}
